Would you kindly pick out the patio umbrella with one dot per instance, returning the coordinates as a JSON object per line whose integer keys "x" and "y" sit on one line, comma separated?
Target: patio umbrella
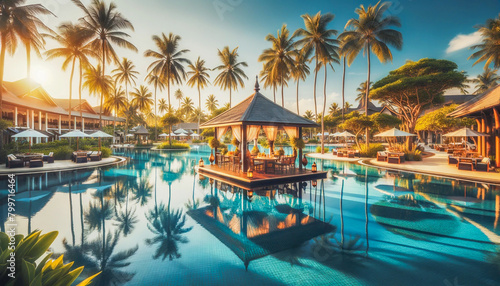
{"x": 465, "y": 132}
{"x": 75, "y": 134}
{"x": 163, "y": 135}
{"x": 345, "y": 134}
{"x": 99, "y": 134}
{"x": 393, "y": 133}
{"x": 195, "y": 135}
{"x": 29, "y": 133}
{"x": 180, "y": 130}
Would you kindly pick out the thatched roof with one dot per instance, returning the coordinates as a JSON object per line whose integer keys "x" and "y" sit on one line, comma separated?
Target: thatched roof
{"x": 258, "y": 110}
{"x": 141, "y": 130}
{"x": 487, "y": 100}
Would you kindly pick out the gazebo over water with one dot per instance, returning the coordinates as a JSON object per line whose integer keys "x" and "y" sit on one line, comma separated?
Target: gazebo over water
{"x": 255, "y": 112}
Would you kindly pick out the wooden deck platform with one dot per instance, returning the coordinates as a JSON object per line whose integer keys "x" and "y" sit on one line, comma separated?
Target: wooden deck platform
{"x": 239, "y": 179}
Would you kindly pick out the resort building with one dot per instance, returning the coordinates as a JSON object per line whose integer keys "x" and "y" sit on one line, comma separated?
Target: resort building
{"x": 28, "y": 105}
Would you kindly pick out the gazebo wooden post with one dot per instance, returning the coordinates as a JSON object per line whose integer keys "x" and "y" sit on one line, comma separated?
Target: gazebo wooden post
{"x": 215, "y": 149}
{"x": 497, "y": 137}
{"x": 488, "y": 139}
{"x": 479, "y": 139}
{"x": 300, "y": 150}
{"x": 483, "y": 140}
{"x": 243, "y": 143}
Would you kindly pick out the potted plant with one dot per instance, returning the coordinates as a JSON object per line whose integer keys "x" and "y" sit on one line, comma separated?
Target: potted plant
{"x": 255, "y": 151}
{"x": 297, "y": 143}
{"x": 213, "y": 143}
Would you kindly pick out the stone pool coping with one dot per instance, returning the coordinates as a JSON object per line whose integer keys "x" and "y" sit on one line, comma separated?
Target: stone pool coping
{"x": 62, "y": 165}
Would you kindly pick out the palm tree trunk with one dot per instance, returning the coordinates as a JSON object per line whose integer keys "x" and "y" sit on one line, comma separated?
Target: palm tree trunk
{"x": 230, "y": 96}
{"x": 2, "y": 65}
{"x": 274, "y": 93}
{"x": 102, "y": 92}
{"x": 298, "y": 96}
{"x": 323, "y": 116}
{"x": 156, "y": 120}
{"x": 314, "y": 88}
{"x": 169, "y": 137}
{"x": 343, "y": 87}
{"x": 128, "y": 106}
{"x": 199, "y": 110}
{"x": 168, "y": 86}
{"x": 80, "y": 94}
{"x": 366, "y": 99}
{"x": 71, "y": 92}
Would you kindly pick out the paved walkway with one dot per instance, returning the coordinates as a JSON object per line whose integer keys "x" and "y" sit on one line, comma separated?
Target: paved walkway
{"x": 61, "y": 165}
{"x": 330, "y": 156}
{"x": 436, "y": 165}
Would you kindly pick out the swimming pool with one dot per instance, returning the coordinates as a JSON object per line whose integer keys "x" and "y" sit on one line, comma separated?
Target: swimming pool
{"x": 154, "y": 221}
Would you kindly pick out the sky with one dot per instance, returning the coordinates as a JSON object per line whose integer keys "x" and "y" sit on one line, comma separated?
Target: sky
{"x": 443, "y": 29}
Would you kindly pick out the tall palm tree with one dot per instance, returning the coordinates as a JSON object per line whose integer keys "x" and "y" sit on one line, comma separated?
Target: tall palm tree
{"x": 107, "y": 25}
{"x": 309, "y": 115}
{"x": 316, "y": 36}
{"x": 187, "y": 106}
{"x": 269, "y": 81}
{"x": 488, "y": 79}
{"x": 142, "y": 98}
{"x": 371, "y": 32}
{"x": 116, "y": 101}
{"x": 19, "y": 22}
{"x": 98, "y": 83}
{"x": 162, "y": 105}
{"x": 231, "y": 73}
{"x": 301, "y": 70}
{"x": 489, "y": 50}
{"x": 156, "y": 81}
{"x": 199, "y": 77}
{"x": 179, "y": 96}
{"x": 212, "y": 103}
{"x": 325, "y": 62}
{"x": 361, "y": 96}
{"x": 125, "y": 73}
{"x": 168, "y": 61}
{"x": 279, "y": 60}
{"x": 333, "y": 109}
{"x": 72, "y": 39}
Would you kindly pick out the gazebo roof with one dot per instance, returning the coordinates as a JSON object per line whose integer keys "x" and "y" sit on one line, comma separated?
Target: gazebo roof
{"x": 487, "y": 100}
{"x": 141, "y": 130}
{"x": 258, "y": 110}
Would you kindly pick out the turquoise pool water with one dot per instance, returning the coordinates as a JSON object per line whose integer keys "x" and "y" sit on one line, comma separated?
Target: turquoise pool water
{"x": 155, "y": 221}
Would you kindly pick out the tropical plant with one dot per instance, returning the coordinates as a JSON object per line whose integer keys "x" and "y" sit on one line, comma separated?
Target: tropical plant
{"x": 361, "y": 96}
{"x": 142, "y": 98}
{"x": 198, "y": 76}
{"x": 300, "y": 70}
{"x": 488, "y": 50}
{"x": 169, "y": 120}
{"x": 488, "y": 79}
{"x": 333, "y": 109}
{"x": 26, "y": 251}
{"x": 107, "y": 25}
{"x": 439, "y": 121}
{"x": 72, "y": 40}
{"x": 211, "y": 103}
{"x": 231, "y": 73}
{"x": 98, "y": 84}
{"x": 126, "y": 74}
{"x": 357, "y": 124}
{"x": 116, "y": 101}
{"x": 157, "y": 83}
{"x": 168, "y": 61}
{"x": 187, "y": 106}
{"x": 371, "y": 32}
{"x": 316, "y": 36}
{"x": 162, "y": 105}
{"x": 325, "y": 62}
{"x": 279, "y": 60}
{"x": 179, "y": 96}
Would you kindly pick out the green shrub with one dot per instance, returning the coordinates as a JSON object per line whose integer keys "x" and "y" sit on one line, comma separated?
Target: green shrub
{"x": 371, "y": 152}
{"x": 413, "y": 155}
{"x": 165, "y": 145}
{"x": 263, "y": 142}
{"x": 213, "y": 143}
{"x": 27, "y": 251}
{"x": 313, "y": 141}
{"x": 318, "y": 149}
{"x": 196, "y": 141}
{"x": 297, "y": 143}
{"x": 235, "y": 142}
{"x": 63, "y": 153}
{"x": 106, "y": 152}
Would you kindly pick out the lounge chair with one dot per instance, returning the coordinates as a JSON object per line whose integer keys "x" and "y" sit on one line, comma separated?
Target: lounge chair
{"x": 394, "y": 159}
{"x": 483, "y": 165}
{"x": 381, "y": 156}
{"x": 81, "y": 157}
{"x": 36, "y": 163}
{"x": 49, "y": 158}
{"x": 95, "y": 156}
{"x": 13, "y": 162}
{"x": 452, "y": 160}
{"x": 465, "y": 164}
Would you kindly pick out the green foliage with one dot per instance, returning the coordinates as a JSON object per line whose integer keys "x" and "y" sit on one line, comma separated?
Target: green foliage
{"x": 383, "y": 121}
{"x": 280, "y": 151}
{"x": 313, "y": 141}
{"x": 209, "y": 132}
{"x": 166, "y": 145}
{"x": 413, "y": 155}
{"x": 105, "y": 151}
{"x": 255, "y": 150}
{"x": 325, "y": 149}
{"x": 27, "y": 251}
{"x": 213, "y": 143}
{"x": 235, "y": 142}
{"x": 297, "y": 143}
{"x": 196, "y": 141}
{"x": 219, "y": 111}
{"x": 63, "y": 153}
{"x": 4, "y": 124}
{"x": 227, "y": 140}
{"x": 371, "y": 152}
{"x": 438, "y": 120}
{"x": 263, "y": 142}
{"x": 357, "y": 124}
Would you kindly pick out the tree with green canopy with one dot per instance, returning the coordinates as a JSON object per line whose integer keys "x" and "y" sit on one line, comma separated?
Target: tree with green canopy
{"x": 383, "y": 121}
{"x": 169, "y": 120}
{"x": 439, "y": 121}
{"x": 356, "y": 124}
{"x": 412, "y": 88}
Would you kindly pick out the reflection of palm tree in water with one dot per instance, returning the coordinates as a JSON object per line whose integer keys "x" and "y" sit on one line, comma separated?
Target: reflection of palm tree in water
{"x": 168, "y": 227}
{"x": 142, "y": 191}
{"x": 126, "y": 218}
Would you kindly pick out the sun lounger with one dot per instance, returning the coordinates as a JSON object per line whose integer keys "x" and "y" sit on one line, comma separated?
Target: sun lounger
{"x": 381, "y": 156}
{"x": 14, "y": 162}
{"x": 36, "y": 163}
{"x": 465, "y": 164}
{"x": 81, "y": 157}
{"x": 95, "y": 156}
{"x": 49, "y": 158}
{"x": 393, "y": 159}
{"x": 483, "y": 165}
{"x": 452, "y": 160}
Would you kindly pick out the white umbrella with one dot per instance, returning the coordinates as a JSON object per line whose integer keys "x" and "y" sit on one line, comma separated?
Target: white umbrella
{"x": 99, "y": 134}
{"x": 334, "y": 134}
{"x": 30, "y": 133}
{"x": 465, "y": 132}
{"x": 181, "y": 135}
{"x": 163, "y": 135}
{"x": 75, "y": 133}
{"x": 345, "y": 134}
{"x": 394, "y": 133}
{"x": 195, "y": 135}
{"x": 130, "y": 135}
{"x": 180, "y": 130}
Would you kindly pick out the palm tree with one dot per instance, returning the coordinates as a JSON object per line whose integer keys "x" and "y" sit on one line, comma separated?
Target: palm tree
{"x": 168, "y": 61}
{"x": 98, "y": 83}
{"x": 371, "y": 33}
{"x": 269, "y": 81}
{"x": 316, "y": 36}
{"x": 212, "y": 103}
{"x": 107, "y": 25}
{"x": 116, "y": 101}
{"x": 231, "y": 73}
{"x": 187, "y": 106}
{"x": 361, "y": 96}
{"x": 347, "y": 106}
{"x": 72, "y": 39}
{"x": 179, "y": 96}
{"x": 489, "y": 50}
{"x": 279, "y": 59}
{"x": 162, "y": 105}
{"x": 142, "y": 98}
{"x": 199, "y": 77}
{"x": 19, "y": 21}
{"x": 142, "y": 191}
{"x": 325, "y": 62}
{"x": 333, "y": 109}
{"x": 488, "y": 79}
{"x": 169, "y": 120}
{"x": 301, "y": 70}
{"x": 126, "y": 74}
{"x": 309, "y": 115}
{"x": 156, "y": 81}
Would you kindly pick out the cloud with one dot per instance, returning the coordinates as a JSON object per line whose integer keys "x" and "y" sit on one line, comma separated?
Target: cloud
{"x": 461, "y": 41}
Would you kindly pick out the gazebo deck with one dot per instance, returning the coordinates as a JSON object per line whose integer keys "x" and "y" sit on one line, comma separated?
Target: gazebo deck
{"x": 241, "y": 180}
